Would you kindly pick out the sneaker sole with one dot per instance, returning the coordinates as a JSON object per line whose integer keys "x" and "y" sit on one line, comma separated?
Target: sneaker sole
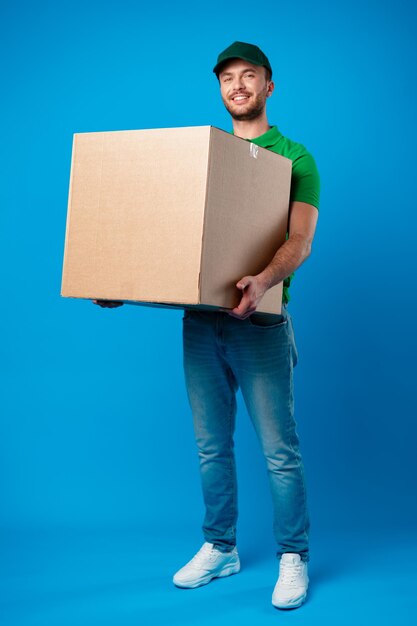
{"x": 226, "y": 571}
{"x": 291, "y": 606}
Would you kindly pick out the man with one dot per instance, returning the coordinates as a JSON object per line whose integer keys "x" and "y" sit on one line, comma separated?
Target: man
{"x": 225, "y": 350}
{"x": 248, "y": 349}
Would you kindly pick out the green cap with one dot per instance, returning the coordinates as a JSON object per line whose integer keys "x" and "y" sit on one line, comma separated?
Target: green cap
{"x": 245, "y": 51}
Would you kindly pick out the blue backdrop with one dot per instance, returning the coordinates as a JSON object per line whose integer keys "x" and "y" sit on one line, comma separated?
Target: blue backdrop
{"x": 95, "y": 426}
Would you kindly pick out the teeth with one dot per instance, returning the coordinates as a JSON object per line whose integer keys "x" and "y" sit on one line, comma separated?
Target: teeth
{"x": 240, "y": 98}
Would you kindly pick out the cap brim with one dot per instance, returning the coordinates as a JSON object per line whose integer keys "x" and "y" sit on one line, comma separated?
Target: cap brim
{"x": 217, "y": 68}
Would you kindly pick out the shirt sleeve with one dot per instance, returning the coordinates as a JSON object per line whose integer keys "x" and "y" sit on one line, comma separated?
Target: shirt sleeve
{"x": 305, "y": 180}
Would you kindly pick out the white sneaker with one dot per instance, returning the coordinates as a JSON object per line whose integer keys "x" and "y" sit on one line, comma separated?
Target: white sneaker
{"x": 291, "y": 588}
{"x": 208, "y": 563}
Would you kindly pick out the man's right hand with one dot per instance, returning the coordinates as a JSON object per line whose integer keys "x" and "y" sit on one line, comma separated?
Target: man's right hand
{"x": 108, "y": 304}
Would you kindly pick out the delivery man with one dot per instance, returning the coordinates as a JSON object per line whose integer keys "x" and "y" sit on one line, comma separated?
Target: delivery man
{"x": 228, "y": 349}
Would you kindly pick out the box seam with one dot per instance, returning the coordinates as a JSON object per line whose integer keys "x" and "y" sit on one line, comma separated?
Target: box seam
{"x": 200, "y": 280}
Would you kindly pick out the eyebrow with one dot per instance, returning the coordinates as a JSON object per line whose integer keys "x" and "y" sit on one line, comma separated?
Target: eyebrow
{"x": 248, "y": 69}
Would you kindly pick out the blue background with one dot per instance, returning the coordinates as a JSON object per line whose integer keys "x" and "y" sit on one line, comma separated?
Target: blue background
{"x": 100, "y": 493}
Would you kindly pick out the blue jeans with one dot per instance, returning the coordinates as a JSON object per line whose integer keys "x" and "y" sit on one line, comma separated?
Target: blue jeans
{"x": 221, "y": 354}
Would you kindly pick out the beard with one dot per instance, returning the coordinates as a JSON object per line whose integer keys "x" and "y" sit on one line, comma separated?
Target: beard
{"x": 255, "y": 110}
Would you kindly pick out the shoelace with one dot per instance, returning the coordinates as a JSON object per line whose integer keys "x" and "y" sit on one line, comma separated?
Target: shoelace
{"x": 203, "y": 554}
{"x": 289, "y": 573}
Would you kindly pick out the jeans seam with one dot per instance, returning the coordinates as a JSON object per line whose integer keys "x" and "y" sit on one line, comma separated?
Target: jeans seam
{"x": 231, "y": 462}
{"x": 297, "y": 456}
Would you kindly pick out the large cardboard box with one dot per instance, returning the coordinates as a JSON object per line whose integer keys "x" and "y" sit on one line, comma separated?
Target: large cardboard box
{"x": 173, "y": 217}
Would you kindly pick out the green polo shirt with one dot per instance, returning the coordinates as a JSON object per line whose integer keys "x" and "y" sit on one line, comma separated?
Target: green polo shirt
{"x": 305, "y": 180}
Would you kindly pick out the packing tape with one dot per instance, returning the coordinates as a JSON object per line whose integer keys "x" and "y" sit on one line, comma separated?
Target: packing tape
{"x": 254, "y": 150}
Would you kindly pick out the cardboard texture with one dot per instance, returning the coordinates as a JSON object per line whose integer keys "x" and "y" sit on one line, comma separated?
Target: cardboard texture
{"x": 173, "y": 217}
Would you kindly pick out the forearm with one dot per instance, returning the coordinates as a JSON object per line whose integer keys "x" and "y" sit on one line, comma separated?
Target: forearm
{"x": 286, "y": 260}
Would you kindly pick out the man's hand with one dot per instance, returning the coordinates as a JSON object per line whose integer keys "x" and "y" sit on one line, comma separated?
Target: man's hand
{"x": 253, "y": 288}
{"x": 292, "y": 253}
{"x": 108, "y": 304}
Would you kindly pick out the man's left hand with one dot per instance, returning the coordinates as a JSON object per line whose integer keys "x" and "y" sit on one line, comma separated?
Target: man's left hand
{"x": 253, "y": 288}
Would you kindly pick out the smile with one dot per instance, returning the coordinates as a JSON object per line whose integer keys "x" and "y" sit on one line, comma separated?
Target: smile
{"x": 240, "y": 98}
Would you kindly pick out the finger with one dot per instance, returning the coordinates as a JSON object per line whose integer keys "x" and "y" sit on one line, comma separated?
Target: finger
{"x": 107, "y": 304}
{"x": 239, "y": 317}
{"x": 245, "y": 282}
{"x": 240, "y": 313}
{"x": 244, "y": 306}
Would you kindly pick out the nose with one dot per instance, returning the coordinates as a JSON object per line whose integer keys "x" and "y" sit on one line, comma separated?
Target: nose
{"x": 237, "y": 83}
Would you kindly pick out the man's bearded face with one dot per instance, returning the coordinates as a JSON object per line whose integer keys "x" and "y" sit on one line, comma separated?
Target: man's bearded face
{"x": 244, "y": 89}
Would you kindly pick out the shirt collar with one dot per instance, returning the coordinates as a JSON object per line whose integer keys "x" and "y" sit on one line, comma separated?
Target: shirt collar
{"x": 268, "y": 139}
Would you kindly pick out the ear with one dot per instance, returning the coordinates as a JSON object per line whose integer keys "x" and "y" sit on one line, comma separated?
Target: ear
{"x": 270, "y": 89}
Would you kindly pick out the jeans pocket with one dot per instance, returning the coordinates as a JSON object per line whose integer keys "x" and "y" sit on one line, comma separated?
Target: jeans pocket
{"x": 267, "y": 320}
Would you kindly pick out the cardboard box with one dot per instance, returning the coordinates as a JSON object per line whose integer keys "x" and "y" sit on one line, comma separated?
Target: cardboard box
{"x": 173, "y": 217}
